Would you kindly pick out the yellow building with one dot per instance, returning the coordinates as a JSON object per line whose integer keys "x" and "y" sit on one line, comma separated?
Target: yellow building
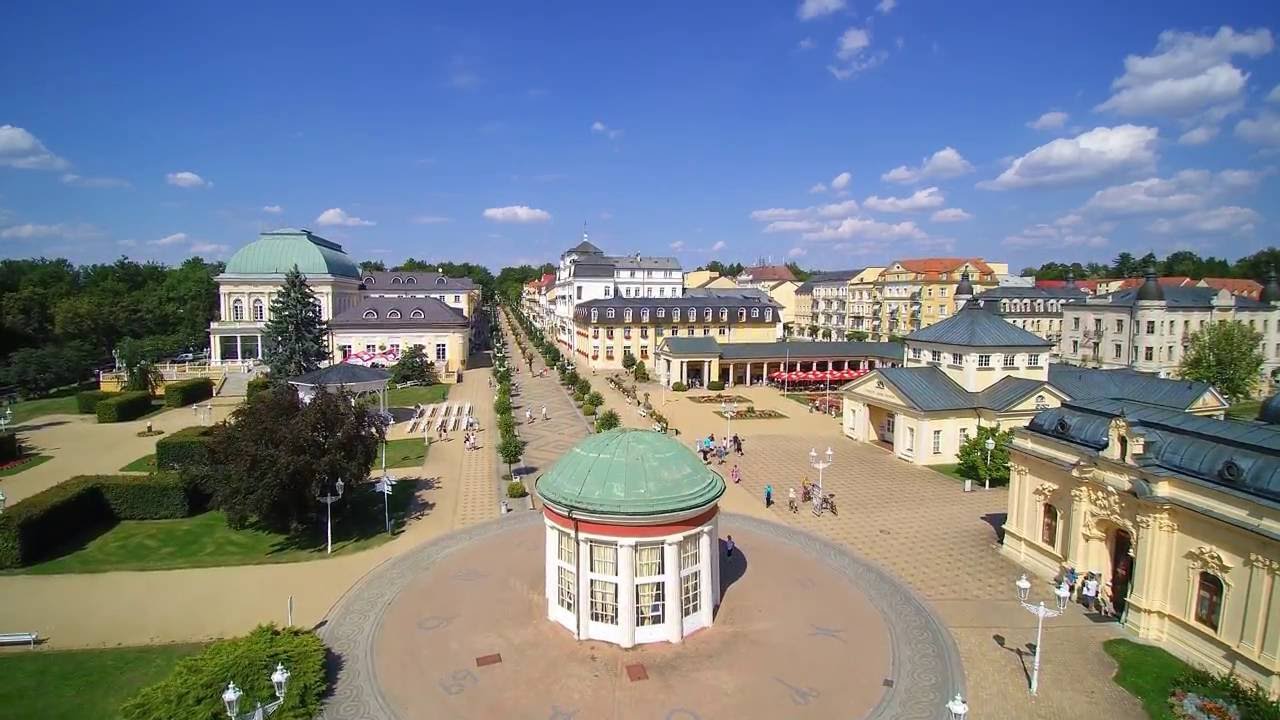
{"x": 803, "y": 318}
{"x": 1179, "y": 515}
{"x": 393, "y": 325}
{"x": 917, "y": 293}
{"x": 708, "y": 279}
{"x": 860, "y": 301}
{"x": 607, "y": 329}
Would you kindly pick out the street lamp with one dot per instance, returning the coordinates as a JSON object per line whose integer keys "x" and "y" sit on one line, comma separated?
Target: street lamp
{"x": 1041, "y": 612}
{"x": 958, "y": 708}
{"x": 728, "y": 409}
{"x": 232, "y": 695}
{"x": 329, "y": 498}
{"x": 819, "y": 465}
{"x": 6, "y": 418}
{"x": 1, "y": 501}
{"x": 990, "y": 445}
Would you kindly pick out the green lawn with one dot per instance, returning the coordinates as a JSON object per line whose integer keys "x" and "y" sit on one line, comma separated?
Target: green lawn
{"x": 406, "y": 452}
{"x": 81, "y": 684}
{"x": 146, "y": 463}
{"x": 1147, "y": 672}
{"x": 425, "y": 395}
{"x": 25, "y": 410}
{"x": 29, "y": 462}
{"x": 951, "y": 470}
{"x": 206, "y": 541}
{"x": 1244, "y": 410}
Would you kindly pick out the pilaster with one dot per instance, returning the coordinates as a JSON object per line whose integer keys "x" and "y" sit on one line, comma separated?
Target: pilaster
{"x": 706, "y": 559}
{"x": 674, "y": 624}
{"x": 627, "y": 592}
{"x": 1077, "y": 548}
{"x": 1262, "y": 571}
{"x": 1271, "y": 611}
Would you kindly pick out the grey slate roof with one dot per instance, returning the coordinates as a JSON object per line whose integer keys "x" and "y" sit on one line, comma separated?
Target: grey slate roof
{"x": 1023, "y": 292}
{"x": 973, "y": 327}
{"x": 810, "y": 350}
{"x": 732, "y": 302}
{"x": 726, "y": 293}
{"x": 592, "y": 270}
{"x": 826, "y": 278}
{"x": 435, "y": 313}
{"x": 1182, "y": 296}
{"x": 415, "y": 280}
{"x": 1241, "y": 456}
{"x": 631, "y": 262}
{"x": 584, "y": 247}
{"x": 930, "y": 389}
{"x": 341, "y": 374}
{"x": 692, "y": 345}
{"x": 1081, "y": 384}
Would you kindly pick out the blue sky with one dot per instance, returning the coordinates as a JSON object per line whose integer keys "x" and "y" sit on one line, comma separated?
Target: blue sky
{"x": 1017, "y": 132}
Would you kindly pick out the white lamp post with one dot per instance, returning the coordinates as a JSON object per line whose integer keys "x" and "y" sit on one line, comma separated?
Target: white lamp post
{"x": 990, "y": 445}
{"x": 6, "y": 418}
{"x": 728, "y": 409}
{"x": 820, "y": 465}
{"x": 1041, "y": 612}
{"x": 232, "y": 695}
{"x": 958, "y": 708}
{"x": 329, "y": 498}
{"x": 1, "y": 501}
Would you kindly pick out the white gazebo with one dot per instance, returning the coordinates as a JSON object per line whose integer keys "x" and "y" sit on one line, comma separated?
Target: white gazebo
{"x": 354, "y": 379}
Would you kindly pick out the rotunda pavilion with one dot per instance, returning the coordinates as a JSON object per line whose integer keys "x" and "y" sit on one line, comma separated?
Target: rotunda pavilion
{"x": 632, "y": 545}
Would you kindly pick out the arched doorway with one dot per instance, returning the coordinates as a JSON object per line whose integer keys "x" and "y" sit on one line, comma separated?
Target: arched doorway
{"x": 1121, "y": 546}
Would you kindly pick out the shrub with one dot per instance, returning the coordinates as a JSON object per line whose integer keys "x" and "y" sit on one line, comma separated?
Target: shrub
{"x": 607, "y": 420}
{"x": 715, "y": 385}
{"x": 578, "y": 397}
{"x": 185, "y": 448}
{"x": 588, "y": 409}
{"x": 516, "y": 489}
{"x": 502, "y": 406}
{"x": 595, "y": 398}
{"x": 87, "y": 401}
{"x": 194, "y": 688}
{"x": 186, "y": 392}
{"x": 256, "y": 386}
{"x": 678, "y": 387}
{"x": 9, "y": 447}
{"x": 41, "y": 522}
{"x": 583, "y": 386}
{"x": 641, "y": 374}
{"x": 123, "y": 407}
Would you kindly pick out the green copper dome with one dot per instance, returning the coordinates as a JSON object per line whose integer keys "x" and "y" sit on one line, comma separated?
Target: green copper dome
{"x": 630, "y": 472}
{"x": 275, "y": 252}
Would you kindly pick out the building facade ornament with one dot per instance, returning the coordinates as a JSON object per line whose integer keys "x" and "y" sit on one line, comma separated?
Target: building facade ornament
{"x": 1207, "y": 558}
{"x": 1044, "y": 490}
{"x": 1083, "y": 470}
{"x": 1264, "y": 563}
{"x": 1156, "y": 521}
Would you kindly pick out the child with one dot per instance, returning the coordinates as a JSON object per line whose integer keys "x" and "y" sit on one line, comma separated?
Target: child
{"x": 735, "y": 474}
{"x": 728, "y": 546}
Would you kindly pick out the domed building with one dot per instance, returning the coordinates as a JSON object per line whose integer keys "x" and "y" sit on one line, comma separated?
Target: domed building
{"x": 632, "y": 544}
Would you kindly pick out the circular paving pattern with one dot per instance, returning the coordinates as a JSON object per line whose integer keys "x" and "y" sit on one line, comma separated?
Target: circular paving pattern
{"x": 457, "y": 628}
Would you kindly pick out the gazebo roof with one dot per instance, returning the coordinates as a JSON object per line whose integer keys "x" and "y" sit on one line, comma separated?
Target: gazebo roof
{"x": 630, "y": 473}
{"x": 341, "y": 374}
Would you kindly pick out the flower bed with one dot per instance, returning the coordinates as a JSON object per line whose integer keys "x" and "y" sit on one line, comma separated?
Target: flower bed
{"x": 1194, "y": 706}
{"x": 718, "y": 398}
{"x": 751, "y": 413}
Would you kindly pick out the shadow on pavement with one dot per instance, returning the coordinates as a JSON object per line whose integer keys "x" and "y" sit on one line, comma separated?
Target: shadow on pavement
{"x": 732, "y": 567}
{"x": 996, "y": 521}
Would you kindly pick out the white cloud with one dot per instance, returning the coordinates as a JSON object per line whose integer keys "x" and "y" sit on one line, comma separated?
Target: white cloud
{"x": 841, "y": 181}
{"x": 818, "y": 188}
{"x": 1186, "y": 190}
{"x": 1041, "y": 235}
{"x": 21, "y": 149}
{"x": 1187, "y": 74}
{"x": 792, "y": 226}
{"x": 677, "y": 245}
{"x": 601, "y": 129}
{"x": 853, "y": 54}
{"x": 186, "y": 179}
{"x": 837, "y": 209}
{"x": 924, "y": 199}
{"x": 810, "y": 9}
{"x": 94, "y": 182}
{"x": 338, "y": 216}
{"x": 208, "y": 248}
{"x": 1215, "y": 221}
{"x": 66, "y": 231}
{"x": 796, "y": 252}
{"x": 859, "y": 228}
{"x": 173, "y": 239}
{"x": 431, "y": 219}
{"x": 1262, "y": 130}
{"x": 272, "y": 209}
{"x": 884, "y": 7}
{"x": 720, "y": 245}
{"x": 771, "y": 214}
{"x": 1097, "y": 153}
{"x": 1198, "y": 135}
{"x": 1051, "y": 120}
{"x": 946, "y": 163}
{"x": 950, "y": 215}
{"x": 516, "y": 214}
{"x": 852, "y": 42}
{"x": 806, "y": 44}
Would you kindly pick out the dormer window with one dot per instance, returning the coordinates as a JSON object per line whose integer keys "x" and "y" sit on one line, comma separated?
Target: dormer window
{"x": 417, "y": 314}
{"x": 411, "y": 280}
{"x": 662, "y": 312}
{"x": 393, "y": 314}
{"x": 397, "y": 280}
{"x": 595, "y": 315}
{"x": 724, "y": 314}
{"x": 368, "y": 280}
{"x": 755, "y": 312}
{"x": 626, "y": 315}
{"x": 370, "y": 314}
{"x": 706, "y": 314}
{"x": 608, "y": 313}
{"x": 742, "y": 314}
{"x": 644, "y": 314}
{"x": 768, "y": 314}
{"x": 441, "y": 280}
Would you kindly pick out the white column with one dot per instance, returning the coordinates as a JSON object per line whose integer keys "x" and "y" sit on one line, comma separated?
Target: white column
{"x": 581, "y": 630}
{"x": 627, "y": 593}
{"x": 706, "y": 560}
{"x": 715, "y": 560}
{"x": 671, "y": 564}
{"x": 552, "y": 569}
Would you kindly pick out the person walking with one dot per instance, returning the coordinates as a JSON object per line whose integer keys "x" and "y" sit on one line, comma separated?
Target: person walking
{"x": 768, "y": 496}
{"x": 1090, "y": 591}
{"x": 528, "y": 415}
{"x": 735, "y": 475}
{"x": 544, "y": 413}
{"x": 720, "y": 454}
{"x": 792, "y": 505}
{"x": 737, "y": 445}
{"x": 728, "y": 546}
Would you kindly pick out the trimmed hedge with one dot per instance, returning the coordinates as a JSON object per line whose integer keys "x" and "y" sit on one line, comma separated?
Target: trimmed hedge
{"x": 185, "y": 392}
{"x": 87, "y": 401}
{"x": 256, "y": 386}
{"x": 194, "y": 688}
{"x": 588, "y": 409}
{"x": 9, "y": 447}
{"x": 715, "y": 385}
{"x": 187, "y": 447}
{"x": 45, "y": 520}
{"x": 678, "y": 387}
{"x": 124, "y": 406}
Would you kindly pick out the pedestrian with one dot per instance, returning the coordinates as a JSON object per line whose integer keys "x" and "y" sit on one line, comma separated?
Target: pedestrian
{"x": 768, "y": 496}
{"x": 792, "y": 505}
{"x": 728, "y": 546}
{"x": 720, "y": 454}
{"x": 544, "y": 413}
{"x": 1090, "y": 591}
{"x": 528, "y": 415}
{"x": 737, "y": 445}
{"x": 811, "y": 406}
{"x": 735, "y": 475}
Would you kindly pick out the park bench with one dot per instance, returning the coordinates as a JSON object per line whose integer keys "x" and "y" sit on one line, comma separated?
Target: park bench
{"x": 28, "y": 638}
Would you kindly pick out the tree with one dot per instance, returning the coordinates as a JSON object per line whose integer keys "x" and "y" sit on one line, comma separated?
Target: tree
{"x": 799, "y": 273}
{"x": 295, "y": 338}
{"x": 143, "y": 377}
{"x": 607, "y": 420}
{"x": 36, "y": 371}
{"x": 855, "y": 336}
{"x": 277, "y": 455}
{"x": 1225, "y": 355}
{"x": 510, "y": 450}
{"x": 367, "y": 266}
{"x": 628, "y": 360}
{"x": 1125, "y": 266}
{"x": 414, "y": 367}
{"x": 973, "y": 456}
{"x": 640, "y": 373}
{"x": 826, "y": 333}
{"x": 813, "y": 331}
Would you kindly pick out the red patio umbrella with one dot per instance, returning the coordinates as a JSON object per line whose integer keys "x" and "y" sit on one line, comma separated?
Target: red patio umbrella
{"x": 813, "y": 376}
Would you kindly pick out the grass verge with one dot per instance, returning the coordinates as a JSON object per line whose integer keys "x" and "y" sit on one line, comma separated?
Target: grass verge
{"x": 1147, "y": 673}
{"x": 23, "y": 464}
{"x": 144, "y": 464}
{"x": 1244, "y": 410}
{"x": 417, "y": 394}
{"x": 406, "y": 452}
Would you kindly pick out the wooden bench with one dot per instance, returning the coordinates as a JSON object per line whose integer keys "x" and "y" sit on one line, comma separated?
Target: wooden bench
{"x": 29, "y": 638}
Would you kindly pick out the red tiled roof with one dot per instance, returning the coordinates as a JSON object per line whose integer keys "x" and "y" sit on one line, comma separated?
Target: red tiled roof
{"x": 548, "y": 279}
{"x": 1170, "y": 281}
{"x": 1235, "y": 286}
{"x": 769, "y": 273}
{"x": 933, "y": 266}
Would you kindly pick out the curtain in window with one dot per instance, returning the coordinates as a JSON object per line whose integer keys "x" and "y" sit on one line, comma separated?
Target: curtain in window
{"x": 604, "y": 559}
{"x": 649, "y": 597}
{"x": 648, "y": 560}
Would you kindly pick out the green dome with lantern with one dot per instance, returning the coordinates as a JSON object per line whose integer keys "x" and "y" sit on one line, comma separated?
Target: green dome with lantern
{"x": 629, "y": 472}
{"x": 277, "y": 251}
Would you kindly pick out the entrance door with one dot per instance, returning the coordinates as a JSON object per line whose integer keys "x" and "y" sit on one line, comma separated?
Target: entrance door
{"x": 1121, "y": 569}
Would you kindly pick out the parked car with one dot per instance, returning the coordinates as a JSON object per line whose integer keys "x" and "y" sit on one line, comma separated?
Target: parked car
{"x": 185, "y": 357}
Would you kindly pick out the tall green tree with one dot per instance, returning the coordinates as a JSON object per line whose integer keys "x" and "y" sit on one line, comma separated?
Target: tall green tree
{"x": 372, "y": 266}
{"x": 414, "y": 367}
{"x": 1125, "y": 265}
{"x": 295, "y": 339}
{"x": 1226, "y": 355}
{"x": 977, "y": 464}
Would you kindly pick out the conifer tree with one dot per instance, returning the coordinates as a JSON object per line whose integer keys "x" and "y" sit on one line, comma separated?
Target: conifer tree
{"x": 295, "y": 340}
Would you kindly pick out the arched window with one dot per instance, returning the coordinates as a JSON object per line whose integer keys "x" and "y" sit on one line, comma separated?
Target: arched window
{"x": 237, "y": 310}
{"x": 706, "y": 314}
{"x": 411, "y": 280}
{"x": 742, "y": 314}
{"x": 370, "y": 314}
{"x": 595, "y": 315}
{"x": 259, "y": 310}
{"x": 1049, "y": 526}
{"x": 441, "y": 280}
{"x": 644, "y": 314}
{"x": 393, "y": 314}
{"x": 662, "y": 312}
{"x": 755, "y": 312}
{"x": 768, "y": 314}
{"x": 397, "y": 280}
{"x": 417, "y": 314}
{"x": 1209, "y": 600}
{"x": 724, "y": 314}
{"x": 626, "y": 315}
{"x": 368, "y": 280}
{"x": 1124, "y": 449}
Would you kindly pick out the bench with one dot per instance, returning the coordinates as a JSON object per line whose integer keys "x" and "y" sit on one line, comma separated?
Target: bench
{"x": 28, "y": 638}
